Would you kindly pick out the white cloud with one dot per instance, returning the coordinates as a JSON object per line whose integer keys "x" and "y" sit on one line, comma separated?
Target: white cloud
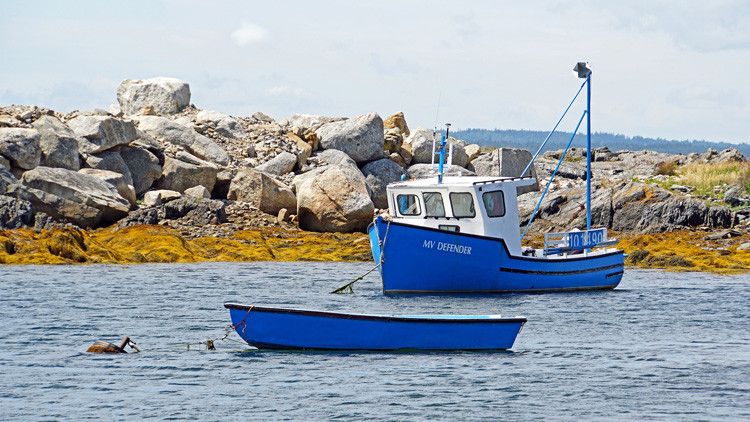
{"x": 286, "y": 91}
{"x": 249, "y": 33}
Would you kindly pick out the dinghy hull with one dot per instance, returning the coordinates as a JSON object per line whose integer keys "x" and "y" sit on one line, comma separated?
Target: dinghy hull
{"x": 275, "y": 328}
{"x": 426, "y": 260}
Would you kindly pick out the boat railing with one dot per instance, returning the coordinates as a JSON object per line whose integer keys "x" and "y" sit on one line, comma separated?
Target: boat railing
{"x": 578, "y": 240}
{"x": 503, "y": 179}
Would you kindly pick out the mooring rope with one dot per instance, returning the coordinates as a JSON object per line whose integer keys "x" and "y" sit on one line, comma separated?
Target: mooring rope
{"x": 347, "y": 288}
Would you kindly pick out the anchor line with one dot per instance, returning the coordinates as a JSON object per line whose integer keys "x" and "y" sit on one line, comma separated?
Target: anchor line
{"x": 347, "y": 288}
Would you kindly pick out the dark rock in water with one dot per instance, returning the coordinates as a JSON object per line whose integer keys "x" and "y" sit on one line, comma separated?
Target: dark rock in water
{"x": 15, "y": 213}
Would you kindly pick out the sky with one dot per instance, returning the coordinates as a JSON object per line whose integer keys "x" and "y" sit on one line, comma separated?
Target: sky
{"x": 670, "y": 69}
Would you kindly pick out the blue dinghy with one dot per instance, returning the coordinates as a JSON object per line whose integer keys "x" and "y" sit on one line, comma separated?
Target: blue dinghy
{"x": 461, "y": 234}
{"x": 277, "y": 328}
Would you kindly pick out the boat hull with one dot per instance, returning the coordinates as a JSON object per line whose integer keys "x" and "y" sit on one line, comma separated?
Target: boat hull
{"x": 273, "y": 328}
{"x": 426, "y": 260}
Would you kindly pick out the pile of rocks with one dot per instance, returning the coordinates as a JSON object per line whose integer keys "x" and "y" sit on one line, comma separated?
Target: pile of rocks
{"x": 157, "y": 159}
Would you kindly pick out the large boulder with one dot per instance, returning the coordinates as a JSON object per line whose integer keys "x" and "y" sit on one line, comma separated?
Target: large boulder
{"x": 143, "y": 165}
{"x": 21, "y": 147}
{"x": 378, "y": 174}
{"x": 397, "y": 121}
{"x": 335, "y": 201}
{"x": 176, "y": 133}
{"x": 419, "y": 143}
{"x": 279, "y": 165}
{"x": 186, "y": 171}
{"x": 58, "y": 143}
{"x": 161, "y": 95}
{"x": 263, "y": 191}
{"x": 83, "y": 199}
{"x": 505, "y": 162}
{"x": 111, "y": 161}
{"x": 101, "y": 133}
{"x": 115, "y": 179}
{"x": 308, "y": 121}
{"x": 360, "y": 137}
{"x": 424, "y": 171}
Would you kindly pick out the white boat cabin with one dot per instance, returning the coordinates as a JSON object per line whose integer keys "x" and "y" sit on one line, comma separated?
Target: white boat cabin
{"x": 478, "y": 205}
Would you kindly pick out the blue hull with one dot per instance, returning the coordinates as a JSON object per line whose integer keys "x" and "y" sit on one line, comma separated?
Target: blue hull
{"x": 425, "y": 260}
{"x": 273, "y": 328}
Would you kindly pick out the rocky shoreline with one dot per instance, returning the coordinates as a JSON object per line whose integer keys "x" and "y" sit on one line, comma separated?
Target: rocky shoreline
{"x": 156, "y": 165}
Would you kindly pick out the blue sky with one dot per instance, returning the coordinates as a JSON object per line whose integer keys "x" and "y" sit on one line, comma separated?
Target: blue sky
{"x": 672, "y": 69}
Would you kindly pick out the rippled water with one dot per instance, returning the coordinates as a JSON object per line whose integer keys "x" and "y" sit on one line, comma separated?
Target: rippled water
{"x": 661, "y": 346}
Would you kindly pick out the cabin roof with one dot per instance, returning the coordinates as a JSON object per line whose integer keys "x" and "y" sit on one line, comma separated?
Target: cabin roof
{"x": 462, "y": 181}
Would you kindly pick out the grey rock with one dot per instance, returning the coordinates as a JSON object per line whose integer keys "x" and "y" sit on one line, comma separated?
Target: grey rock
{"x": 144, "y": 167}
{"x": 210, "y": 116}
{"x": 334, "y": 156}
{"x": 58, "y": 143}
{"x": 681, "y": 188}
{"x": 361, "y": 137}
{"x": 15, "y": 213}
{"x": 82, "y": 199}
{"x": 263, "y": 191}
{"x": 162, "y": 95}
{"x": 9, "y": 184}
{"x": 308, "y": 121}
{"x": 420, "y": 145}
{"x": 473, "y": 151}
{"x": 336, "y": 200}
{"x": 199, "y": 211}
{"x": 166, "y": 130}
{"x": 423, "y": 171}
{"x": 185, "y": 172}
{"x": 719, "y": 217}
{"x": 21, "y": 147}
{"x": 4, "y": 163}
{"x": 505, "y": 162}
{"x": 101, "y": 133}
{"x": 262, "y": 117}
{"x": 117, "y": 180}
{"x": 110, "y": 160}
{"x": 158, "y": 197}
{"x": 744, "y": 246}
{"x": 279, "y": 165}
{"x": 544, "y": 168}
{"x": 198, "y": 192}
{"x": 378, "y": 174}
{"x": 735, "y": 196}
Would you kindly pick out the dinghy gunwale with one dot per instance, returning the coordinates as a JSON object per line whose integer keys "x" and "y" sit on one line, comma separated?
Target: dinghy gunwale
{"x": 440, "y": 319}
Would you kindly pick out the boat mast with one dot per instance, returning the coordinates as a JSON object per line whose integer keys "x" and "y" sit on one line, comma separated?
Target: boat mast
{"x": 585, "y": 73}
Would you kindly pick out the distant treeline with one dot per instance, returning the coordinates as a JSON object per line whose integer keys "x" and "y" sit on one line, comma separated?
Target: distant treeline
{"x": 531, "y": 139}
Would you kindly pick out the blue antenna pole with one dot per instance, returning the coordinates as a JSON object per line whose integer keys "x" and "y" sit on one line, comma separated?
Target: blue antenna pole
{"x": 443, "y": 141}
{"x": 588, "y": 152}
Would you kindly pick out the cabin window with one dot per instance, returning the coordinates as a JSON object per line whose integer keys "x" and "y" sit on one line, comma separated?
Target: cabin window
{"x": 462, "y": 204}
{"x": 433, "y": 204}
{"x": 494, "y": 203}
{"x": 449, "y": 228}
{"x": 408, "y": 204}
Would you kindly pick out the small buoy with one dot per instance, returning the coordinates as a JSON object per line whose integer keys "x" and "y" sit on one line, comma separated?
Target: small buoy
{"x": 100, "y": 346}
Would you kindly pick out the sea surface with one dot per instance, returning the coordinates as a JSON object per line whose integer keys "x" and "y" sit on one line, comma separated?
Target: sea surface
{"x": 662, "y": 346}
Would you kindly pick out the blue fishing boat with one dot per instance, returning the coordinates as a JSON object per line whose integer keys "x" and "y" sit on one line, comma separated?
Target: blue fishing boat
{"x": 461, "y": 234}
{"x": 278, "y": 328}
